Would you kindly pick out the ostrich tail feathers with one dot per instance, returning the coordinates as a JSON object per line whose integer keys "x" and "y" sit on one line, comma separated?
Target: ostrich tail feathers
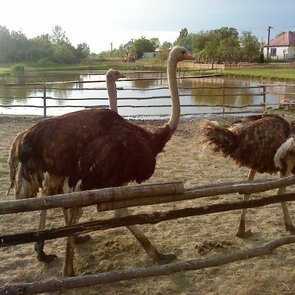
{"x": 13, "y": 158}
{"x": 284, "y": 158}
{"x": 221, "y": 139}
{"x": 27, "y": 188}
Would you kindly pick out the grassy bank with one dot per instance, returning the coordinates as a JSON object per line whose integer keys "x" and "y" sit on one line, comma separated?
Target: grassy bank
{"x": 265, "y": 73}
{"x": 275, "y": 72}
{"x": 144, "y": 64}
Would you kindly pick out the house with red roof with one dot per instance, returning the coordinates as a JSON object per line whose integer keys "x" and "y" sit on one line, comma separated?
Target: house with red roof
{"x": 282, "y": 47}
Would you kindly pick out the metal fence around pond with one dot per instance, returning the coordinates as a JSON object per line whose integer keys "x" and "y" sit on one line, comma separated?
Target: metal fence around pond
{"x": 221, "y": 94}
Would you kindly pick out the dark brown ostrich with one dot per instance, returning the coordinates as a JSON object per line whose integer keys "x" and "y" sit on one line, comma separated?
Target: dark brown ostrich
{"x": 48, "y": 184}
{"x": 15, "y": 181}
{"x": 253, "y": 143}
{"x": 97, "y": 149}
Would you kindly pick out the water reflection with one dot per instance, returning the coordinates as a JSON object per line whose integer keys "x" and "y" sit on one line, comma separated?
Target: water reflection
{"x": 196, "y": 96}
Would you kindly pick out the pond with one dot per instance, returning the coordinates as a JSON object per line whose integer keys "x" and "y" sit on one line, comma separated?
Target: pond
{"x": 144, "y": 97}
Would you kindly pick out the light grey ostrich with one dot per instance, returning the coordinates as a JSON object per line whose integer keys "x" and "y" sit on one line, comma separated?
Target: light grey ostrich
{"x": 47, "y": 183}
{"x": 262, "y": 143}
{"x": 98, "y": 148}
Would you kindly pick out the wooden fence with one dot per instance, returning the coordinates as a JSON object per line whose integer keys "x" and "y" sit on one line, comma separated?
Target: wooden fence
{"x": 221, "y": 95}
{"x": 139, "y": 195}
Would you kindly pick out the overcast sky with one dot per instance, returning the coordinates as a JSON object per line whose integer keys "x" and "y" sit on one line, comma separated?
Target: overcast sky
{"x": 98, "y": 23}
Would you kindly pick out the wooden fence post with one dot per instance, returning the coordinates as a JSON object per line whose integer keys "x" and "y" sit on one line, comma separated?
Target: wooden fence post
{"x": 223, "y": 99}
{"x": 44, "y": 100}
{"x": 264, "y": 97}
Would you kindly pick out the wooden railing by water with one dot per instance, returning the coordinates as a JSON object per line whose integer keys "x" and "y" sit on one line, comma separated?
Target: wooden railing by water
{"x": 222, "y": 94}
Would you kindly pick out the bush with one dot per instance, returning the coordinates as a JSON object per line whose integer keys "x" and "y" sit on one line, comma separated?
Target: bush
{"x": 18, "y": 70}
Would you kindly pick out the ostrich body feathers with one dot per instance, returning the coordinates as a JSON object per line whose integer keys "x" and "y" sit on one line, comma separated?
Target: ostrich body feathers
{"x": 252, "y": 141}
{"x": 96, "y": 146}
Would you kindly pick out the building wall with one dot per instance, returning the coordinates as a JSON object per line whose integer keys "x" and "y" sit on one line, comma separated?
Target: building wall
{"x": 280, "y": 53}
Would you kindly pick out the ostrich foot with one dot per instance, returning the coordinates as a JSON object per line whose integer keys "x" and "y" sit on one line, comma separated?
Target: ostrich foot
{"x": 164, "y": 258}
{"x": 81, "y": 239}
{"x": 41, "y": 256}
{"x": 290, "y": 228}
{"x": 47, "y": 258}
{"x": 244, "y": 234}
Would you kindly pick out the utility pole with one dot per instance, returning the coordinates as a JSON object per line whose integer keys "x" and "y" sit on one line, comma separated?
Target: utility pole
{"x": 111, "y": 46}
{"x": 268, "y": 38}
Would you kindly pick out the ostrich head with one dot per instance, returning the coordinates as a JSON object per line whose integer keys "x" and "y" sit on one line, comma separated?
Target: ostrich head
{"x": 114, "y": 75}
{"x": 111, "y": 77}
{"x": 179, "y": 53}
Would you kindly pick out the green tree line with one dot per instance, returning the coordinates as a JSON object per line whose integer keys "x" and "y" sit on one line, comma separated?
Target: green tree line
{"x": 16, "y": 47}
{"x": 219, "y": 45}
{"x": 222, "y": 45}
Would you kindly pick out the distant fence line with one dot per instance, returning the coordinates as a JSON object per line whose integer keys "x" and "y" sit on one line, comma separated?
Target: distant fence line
{"x": 222, "y": 94}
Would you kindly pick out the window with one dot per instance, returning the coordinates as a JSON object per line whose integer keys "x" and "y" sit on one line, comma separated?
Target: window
{"x": 273, "y": 52}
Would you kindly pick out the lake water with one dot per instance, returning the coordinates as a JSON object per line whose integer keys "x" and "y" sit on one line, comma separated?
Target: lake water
{"x": 139, "y": 98}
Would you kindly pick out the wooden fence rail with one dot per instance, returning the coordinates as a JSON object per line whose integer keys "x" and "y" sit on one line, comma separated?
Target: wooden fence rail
{"x": 147, "y": 218}
{"x": 136, "y": 195}
{"x": 118, "y": 197}
{"x": 223, "y": 93}
{"x": 61, "y": 284}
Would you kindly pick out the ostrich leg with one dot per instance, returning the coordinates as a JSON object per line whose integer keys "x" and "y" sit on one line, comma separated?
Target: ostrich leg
{"x": 242, "y": 233}
{"x": 71, "y": 216}
{"x": 41, "y": 256}
{"x": 52, "y": 185}
{"x": 150, "y": 249}
{"x": 287, "y": 219}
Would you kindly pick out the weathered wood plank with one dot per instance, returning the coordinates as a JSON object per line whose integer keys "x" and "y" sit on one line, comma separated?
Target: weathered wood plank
{"x": 243, "y": 187}
{"x": 147, "y": 218}
{"x": 146, "y": 194}
{"x": 91, "y": 197}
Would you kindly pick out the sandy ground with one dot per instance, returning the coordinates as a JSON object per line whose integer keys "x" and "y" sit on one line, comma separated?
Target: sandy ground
{"x": 187, "y": 237}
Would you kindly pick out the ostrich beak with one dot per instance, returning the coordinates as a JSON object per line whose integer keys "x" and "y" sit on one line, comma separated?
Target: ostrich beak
{"x": 189, "y": 56}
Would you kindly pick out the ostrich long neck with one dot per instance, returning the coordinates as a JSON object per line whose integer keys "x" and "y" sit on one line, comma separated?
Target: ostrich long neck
{"x": 112, "y": 92}
{"x": 164, "y": 133}
{"x": 175, "y": 105}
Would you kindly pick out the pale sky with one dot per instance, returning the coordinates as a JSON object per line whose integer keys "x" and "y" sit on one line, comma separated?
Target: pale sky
{"x": 98, "y": 23}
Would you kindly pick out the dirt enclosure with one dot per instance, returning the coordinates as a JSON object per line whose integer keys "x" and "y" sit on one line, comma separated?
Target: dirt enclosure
{"x": 188, "y": 238}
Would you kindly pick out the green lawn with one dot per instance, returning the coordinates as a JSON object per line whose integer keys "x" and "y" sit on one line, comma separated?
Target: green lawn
{"x": 268, "y": 73}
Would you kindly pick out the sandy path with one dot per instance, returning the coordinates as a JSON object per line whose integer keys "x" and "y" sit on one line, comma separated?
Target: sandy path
{"x": 188, "y": 238}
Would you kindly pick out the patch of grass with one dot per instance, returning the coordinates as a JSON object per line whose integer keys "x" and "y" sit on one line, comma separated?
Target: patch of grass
{"x": 268, "y": 73}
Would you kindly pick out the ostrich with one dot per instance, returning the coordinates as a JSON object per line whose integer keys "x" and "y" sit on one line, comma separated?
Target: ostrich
{"x": 111, "y": 77}
{"x": 253, "y": 142}
{"x": 97, "y": 148}
{"x": 45, "y": 181}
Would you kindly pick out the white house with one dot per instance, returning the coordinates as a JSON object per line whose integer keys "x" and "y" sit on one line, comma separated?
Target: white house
{"x": 282, "y": 47}
{"x": 149, "y": 54}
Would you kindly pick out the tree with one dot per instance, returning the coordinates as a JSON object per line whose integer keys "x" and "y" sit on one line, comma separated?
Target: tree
{"x": 220, "y": 45}
{"x": 184, "y": 39}
{"x": 19, "y": 47}
{"x": 64, "y": 53}
{"x": 41, "y": 47}
{"x": 142, "y": 45}
{"x": 58, "y": 36}
{"x": 250, "y": 47}
{"x": 83, "y": 51}
{"x": 166, "y": 46}
{"x": 4, "y": 44}
{"x": 156, "y": 42}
